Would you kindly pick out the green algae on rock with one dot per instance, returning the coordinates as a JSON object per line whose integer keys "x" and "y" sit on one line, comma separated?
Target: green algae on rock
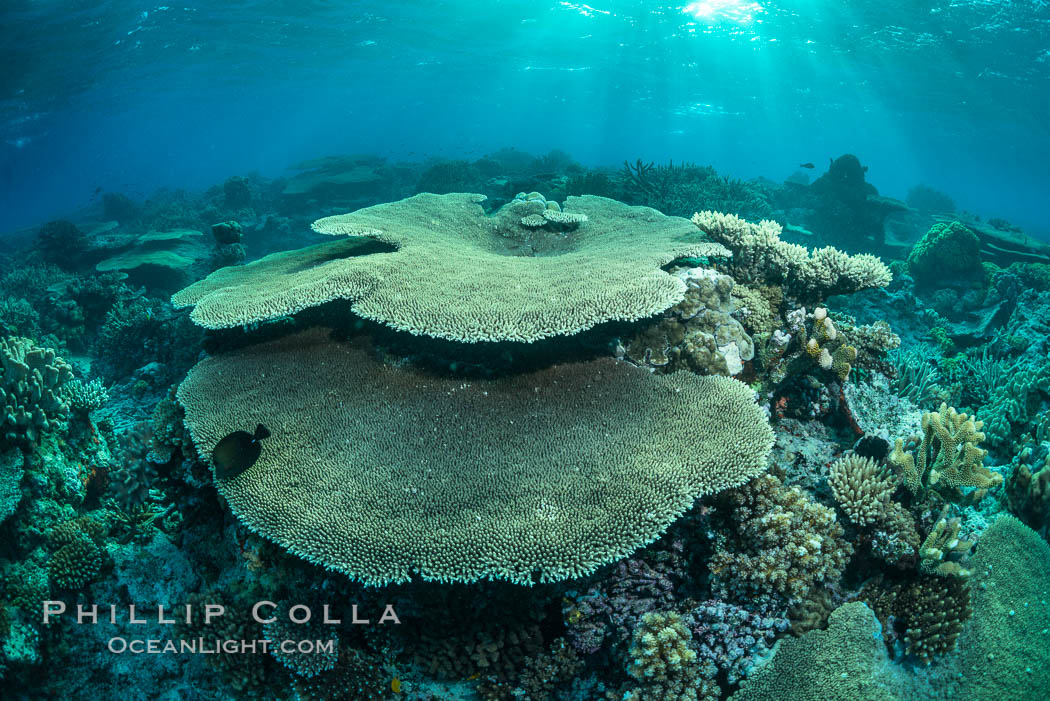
{"x": 380, "y": 472}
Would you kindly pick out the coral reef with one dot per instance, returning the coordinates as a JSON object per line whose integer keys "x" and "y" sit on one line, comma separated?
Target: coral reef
{"x": 442, "y": 386}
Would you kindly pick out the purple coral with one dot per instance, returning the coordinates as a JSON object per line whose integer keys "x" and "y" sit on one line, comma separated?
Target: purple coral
{"x": 614, "y": 606}
{"x": 729, "y": 637}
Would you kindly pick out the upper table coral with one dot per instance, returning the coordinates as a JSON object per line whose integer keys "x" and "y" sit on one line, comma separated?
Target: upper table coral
{"x": 450, "y": 271}
{"x": 380, "y": 472}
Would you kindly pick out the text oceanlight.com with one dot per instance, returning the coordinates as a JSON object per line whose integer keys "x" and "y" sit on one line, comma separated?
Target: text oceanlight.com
{"x": 201, "y": 646}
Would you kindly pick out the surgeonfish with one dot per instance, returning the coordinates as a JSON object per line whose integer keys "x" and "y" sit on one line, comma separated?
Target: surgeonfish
{"x": 237, "y": 452}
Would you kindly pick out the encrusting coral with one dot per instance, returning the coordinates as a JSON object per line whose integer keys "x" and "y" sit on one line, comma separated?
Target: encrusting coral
{"x": 845, "y": 662}
{"x": 380, "y": 472}
{"x": 477, "y": 286}
{"x": 698, "y": 333}
{"x": 947, "y": 456}
{"x": 760, "y": 256}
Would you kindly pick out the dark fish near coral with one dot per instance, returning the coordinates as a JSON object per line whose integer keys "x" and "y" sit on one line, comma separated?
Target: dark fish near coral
{"x": 237, "y": 452}
{"x": 807, "y": 165}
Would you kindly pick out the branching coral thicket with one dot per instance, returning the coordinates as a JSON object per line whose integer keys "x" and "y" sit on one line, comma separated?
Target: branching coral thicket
{"x": 927, "y": 613}
{"x": 380, "y": 472}
{"x": 862, "y": 488}
{"x": 760, "y": 256}
{"x": 783, "y": 544}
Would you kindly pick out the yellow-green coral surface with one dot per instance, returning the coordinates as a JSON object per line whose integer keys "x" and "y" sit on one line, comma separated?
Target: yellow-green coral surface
{"x": 381, "y": 472}
{"x": 457, "y": 273}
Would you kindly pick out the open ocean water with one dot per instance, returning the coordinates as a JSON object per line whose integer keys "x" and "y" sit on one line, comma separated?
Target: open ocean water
{"x": 510, "y": 350}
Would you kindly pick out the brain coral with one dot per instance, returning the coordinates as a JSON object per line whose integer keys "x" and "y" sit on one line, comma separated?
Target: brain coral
{"x": 381, "y": 472}
{"x": 457, "y": 273}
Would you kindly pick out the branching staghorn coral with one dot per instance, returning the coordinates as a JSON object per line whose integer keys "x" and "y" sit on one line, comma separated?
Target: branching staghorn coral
{"x": 760, "y": 256}
{"x": 947, "y": 456}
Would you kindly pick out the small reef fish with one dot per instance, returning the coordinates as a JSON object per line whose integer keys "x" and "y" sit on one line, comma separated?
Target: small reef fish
{"x": 395, "y": 685}
{"x": 237, "y": 452}
{"x": 807, "y": 165}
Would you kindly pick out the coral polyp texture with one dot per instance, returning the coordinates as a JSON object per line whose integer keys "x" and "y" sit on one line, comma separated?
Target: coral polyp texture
{"x": 759, "y": 255}
{"x": 439, "y": 266}
{"x": 381, "y": 472}
{"x": 31, "y": 380}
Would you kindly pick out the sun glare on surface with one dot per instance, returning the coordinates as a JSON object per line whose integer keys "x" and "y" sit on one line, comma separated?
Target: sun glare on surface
{"x": 715, "y": 11}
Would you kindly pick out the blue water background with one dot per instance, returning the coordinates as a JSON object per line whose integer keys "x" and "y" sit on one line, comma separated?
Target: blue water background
{"x": 131, "y": 96}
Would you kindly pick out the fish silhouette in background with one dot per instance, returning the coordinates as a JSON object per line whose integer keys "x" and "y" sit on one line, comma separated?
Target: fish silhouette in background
{"x": 810, "y": 166}
{"x": 237, "y": 452}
